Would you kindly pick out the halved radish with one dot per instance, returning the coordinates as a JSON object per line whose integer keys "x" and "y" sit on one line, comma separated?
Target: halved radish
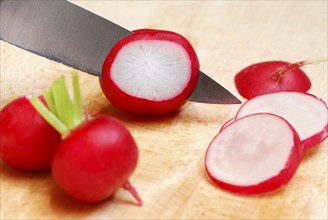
{"x": 255, "y": 154}
{"x": 272, "y": 76}
{"x": 150, "y": 72}
{"x": 307, "y": 113}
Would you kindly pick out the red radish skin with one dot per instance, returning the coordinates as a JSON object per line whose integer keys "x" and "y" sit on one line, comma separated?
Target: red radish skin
{"x": 28, "y": 142}
{"x": 150, "y": 72}
{"x": 260, "y": 130}
{"x": 95, "y": 159}
{"x": 271, "y": 76}
{"x": 307, "y": 113}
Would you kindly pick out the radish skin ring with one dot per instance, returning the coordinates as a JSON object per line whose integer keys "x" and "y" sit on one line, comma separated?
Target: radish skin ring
{"x": 150, "y": 72}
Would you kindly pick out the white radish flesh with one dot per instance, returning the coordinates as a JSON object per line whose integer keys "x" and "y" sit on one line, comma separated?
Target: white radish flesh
{"x": 255, "y": 154}
{"x": 152, "y": 69}
{"x": 306, "y": 113}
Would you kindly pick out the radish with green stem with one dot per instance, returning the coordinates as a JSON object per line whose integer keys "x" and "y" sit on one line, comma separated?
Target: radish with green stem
{"x": 273, "y": 76}
{"x": 254, "y": 154}
{"x": 96, "y": 156}
{"x": 150, "y": 72}
{"x": 28, "y": 142}
{"x": 305, "y": 112}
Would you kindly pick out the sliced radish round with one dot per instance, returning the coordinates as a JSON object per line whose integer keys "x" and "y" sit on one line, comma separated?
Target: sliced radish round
{"x": 307, "y": 113}
{"x": 150, "y": 72}
{"x": 255, "y": 154}
{"x": 271, "y": 76}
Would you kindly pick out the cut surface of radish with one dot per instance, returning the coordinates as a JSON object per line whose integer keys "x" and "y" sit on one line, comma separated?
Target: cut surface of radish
{"x": 255, "y": 154}
{"x": 307, "y": 114}
{"x": 152, "y": 69}
{"x": 150, "y": 72}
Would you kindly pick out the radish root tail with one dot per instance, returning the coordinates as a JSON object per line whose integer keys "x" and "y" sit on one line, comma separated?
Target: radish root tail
{"x": 128, "y": 186}
{"x": 287, "y": 68}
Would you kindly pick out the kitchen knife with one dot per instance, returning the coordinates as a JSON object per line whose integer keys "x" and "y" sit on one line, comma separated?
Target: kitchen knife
{"x": 69, "y": 34}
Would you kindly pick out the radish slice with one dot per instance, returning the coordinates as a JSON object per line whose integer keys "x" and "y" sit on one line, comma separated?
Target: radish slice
{"x": 150, "y": 72}
{"x": 255, "y": 154}
{"x": 305, "y": 112}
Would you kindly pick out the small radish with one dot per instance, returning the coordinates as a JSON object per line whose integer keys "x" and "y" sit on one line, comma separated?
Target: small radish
{"x": 95, "y": 159}
{"x": 96, "y": 156}
{"x": 305, "y": 112}
{"x": 254, "y": 154}
{"x": 28, "y": 142}
{"x": 272, "y": 76}
{"x": 150, "y": 72}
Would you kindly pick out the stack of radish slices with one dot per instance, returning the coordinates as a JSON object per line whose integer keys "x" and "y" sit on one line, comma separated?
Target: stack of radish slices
{"x": 261, "y": 148}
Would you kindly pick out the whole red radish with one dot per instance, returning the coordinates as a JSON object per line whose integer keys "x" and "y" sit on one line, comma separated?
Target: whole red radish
{"x": 95, "y": 159}
{"x": 28, "y": 142}
{"x": 96, "y": 156}
{"x": 305, "y": 112}
{"x": 254, "y": 154}
{"x": 272, "y": 76}
{"x": 150, "y": 72}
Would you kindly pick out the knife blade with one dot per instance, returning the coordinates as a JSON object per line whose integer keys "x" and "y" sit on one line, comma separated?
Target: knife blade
{"x": 66, "y": 33}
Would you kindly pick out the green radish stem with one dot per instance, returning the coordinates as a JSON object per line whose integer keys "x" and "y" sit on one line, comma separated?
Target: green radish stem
{"x": 50, "y": 117}
{"x": 287, "y": 68}
{"x": 47, "y": 94}
{"x": 77, "y": 102}
{"x": 62, "y": 113}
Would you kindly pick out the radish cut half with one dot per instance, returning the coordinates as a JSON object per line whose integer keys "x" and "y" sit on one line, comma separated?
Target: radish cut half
{"x": 255, "y": 154}
{"x": 305, "y": 112}
{"x": 150, "y": 72}
{"x": 152, "y": 69}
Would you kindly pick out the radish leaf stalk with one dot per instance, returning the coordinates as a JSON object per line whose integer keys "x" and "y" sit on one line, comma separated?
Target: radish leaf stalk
{"x": 51, "y": 118}
{"x": 63, "y": 103}
{"x": 50, "y": 100}
{"x": 77, "y": 102}
{"x": 62, "y": 113}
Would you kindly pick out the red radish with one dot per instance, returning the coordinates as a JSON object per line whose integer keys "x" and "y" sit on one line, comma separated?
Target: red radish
{"x": 272, "y": 76}
{"x": 253, "y": 155}
{"x": 96, "y": 156}
{"x": 28, "y": 142}
{"x": 305, "y": 112}
{"x": 95, "y": 159}
{"x": 150, "y": 72}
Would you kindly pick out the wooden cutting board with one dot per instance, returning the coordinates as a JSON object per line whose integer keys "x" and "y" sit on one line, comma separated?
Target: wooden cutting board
{"x": 170, "y": 175}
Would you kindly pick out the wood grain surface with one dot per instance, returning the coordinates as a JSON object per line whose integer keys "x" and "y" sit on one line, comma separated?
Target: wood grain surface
{"x": 170, "y": 177}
